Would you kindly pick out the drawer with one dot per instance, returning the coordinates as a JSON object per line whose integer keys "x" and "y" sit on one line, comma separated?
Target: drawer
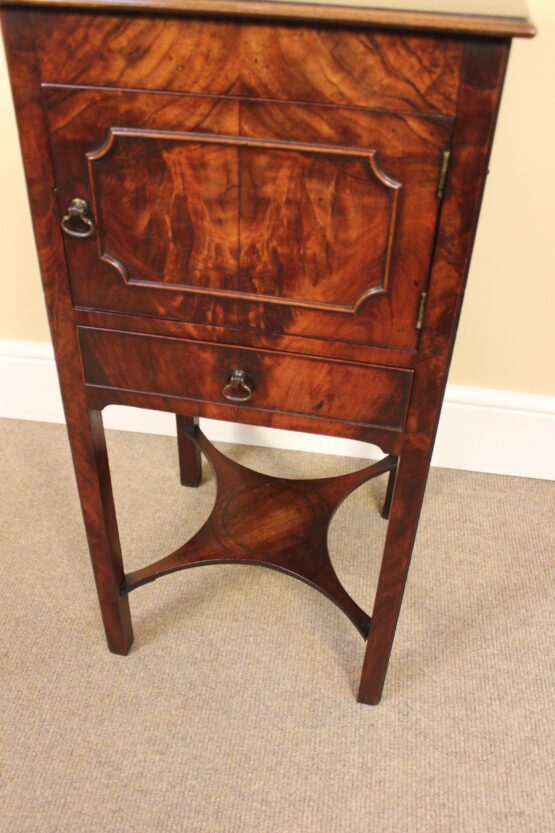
{"x": 365, "y": 395}
{"x": 271, "y": 61}
{"x": 294, "y": 219}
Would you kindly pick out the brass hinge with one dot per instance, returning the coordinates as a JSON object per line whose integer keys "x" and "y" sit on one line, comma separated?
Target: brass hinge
{"x": 443, "y": 174}
{"x": 421, "y": 310}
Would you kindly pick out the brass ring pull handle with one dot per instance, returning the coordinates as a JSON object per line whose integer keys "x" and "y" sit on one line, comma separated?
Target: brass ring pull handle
{"x": 78, "y": 208}
{"x": 238, "y": 388}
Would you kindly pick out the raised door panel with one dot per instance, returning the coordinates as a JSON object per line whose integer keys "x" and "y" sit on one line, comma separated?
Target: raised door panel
{"x": 293, "y": 219}
{"x": 247, "y": 218}
{"x": 167, "y": 209}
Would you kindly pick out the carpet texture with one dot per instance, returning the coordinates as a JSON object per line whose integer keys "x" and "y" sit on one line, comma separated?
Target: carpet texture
{"x": 235, "y": 711}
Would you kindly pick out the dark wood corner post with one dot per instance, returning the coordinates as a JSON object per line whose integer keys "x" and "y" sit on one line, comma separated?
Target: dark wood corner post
{"x": 92, "y": 472}
{"x": 84, "y": 426}
{"x": 481, "y": 85}
{"x": 190, "y": 467}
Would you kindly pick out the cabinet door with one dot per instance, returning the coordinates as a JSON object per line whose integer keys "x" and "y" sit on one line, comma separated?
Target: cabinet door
{"x": 301, "y": 219}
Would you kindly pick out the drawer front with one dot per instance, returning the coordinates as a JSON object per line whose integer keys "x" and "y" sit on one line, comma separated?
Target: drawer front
{"x": 287, "y": 218}
{"x": 271, "y": 61}
{"x": 363, "y": 395}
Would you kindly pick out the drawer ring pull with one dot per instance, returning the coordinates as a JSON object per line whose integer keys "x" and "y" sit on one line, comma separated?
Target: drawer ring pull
{"x": 237, "y": 388}
{"x": 78, "y": 208}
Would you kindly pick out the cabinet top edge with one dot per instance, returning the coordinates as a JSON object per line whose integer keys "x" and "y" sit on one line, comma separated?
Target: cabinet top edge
{"x": 448, "y": 16}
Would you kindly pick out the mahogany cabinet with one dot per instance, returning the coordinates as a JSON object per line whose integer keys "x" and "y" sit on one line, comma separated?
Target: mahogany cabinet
{"x": 261, "y": 213}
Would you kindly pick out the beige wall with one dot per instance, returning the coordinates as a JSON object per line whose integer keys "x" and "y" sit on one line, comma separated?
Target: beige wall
{"x": 507, "y": 335}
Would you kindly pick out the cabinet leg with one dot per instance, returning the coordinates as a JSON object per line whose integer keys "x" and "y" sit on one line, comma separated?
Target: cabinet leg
{"x": 412, "y": 473}
{"x": 190, "y": 468}
{"x": 386, "y": 509}
{"x": 92, "y": 471}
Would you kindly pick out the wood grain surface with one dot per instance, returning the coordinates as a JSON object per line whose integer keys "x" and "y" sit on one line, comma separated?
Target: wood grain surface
{"x": 482, "y": 83}
{"x": 321, "y": 389}
{"x": 290, "y": 218}
{"x": 340, "y": 66}
{"x": 84, "y": 425}
{"x": 272, "y": 522}
{"x": 494, "y": 18}
{"x": 276, "y": 200}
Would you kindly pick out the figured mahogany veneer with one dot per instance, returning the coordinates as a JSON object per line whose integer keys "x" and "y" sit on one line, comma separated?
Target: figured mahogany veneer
{"x": 196, "y": 371}
{"x": 274, "y": 225}
{"x": 362, "y": 68}
{"x": 270, "y": 521}
{"x": 290, "y": 218}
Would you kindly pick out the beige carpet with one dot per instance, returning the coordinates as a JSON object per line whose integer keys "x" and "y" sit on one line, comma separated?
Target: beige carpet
{"x": 235, "y": 712}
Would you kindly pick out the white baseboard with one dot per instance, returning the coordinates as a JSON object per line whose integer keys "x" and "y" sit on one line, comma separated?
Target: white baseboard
{"x": 500, "y": 432}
